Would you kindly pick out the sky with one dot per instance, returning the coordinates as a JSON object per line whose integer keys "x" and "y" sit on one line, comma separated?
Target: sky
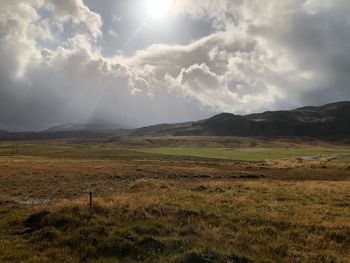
{"x": 133, "y": 63}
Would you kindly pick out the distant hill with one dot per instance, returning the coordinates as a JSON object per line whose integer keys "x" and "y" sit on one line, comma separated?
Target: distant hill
{"x": 107, "y": 129}
{"x": 82, "y": 127}
{"x": 68, "y": 131}
{"x": 330, "y": 120}
{"x": 161, "y": 129}
{"x": 33, "y": 136}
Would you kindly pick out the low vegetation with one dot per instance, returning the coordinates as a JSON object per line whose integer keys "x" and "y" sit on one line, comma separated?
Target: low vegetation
{"x": 249, "y": 153}
{"x": 168, "y": 221}
{"x": 155, "y": 207}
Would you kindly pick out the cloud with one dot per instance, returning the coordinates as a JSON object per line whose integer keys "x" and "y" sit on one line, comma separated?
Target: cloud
{"x": 78, "y": 13}
{"x": 301, "y": 46}
{"x": 279, "y": 54}
{"x": 225, "y": 71}
{"x": 17, "y": 37}
{"x": 73, "y": 83}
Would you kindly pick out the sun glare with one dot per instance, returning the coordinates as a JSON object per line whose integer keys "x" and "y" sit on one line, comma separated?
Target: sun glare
{"x": 158, "y": 8}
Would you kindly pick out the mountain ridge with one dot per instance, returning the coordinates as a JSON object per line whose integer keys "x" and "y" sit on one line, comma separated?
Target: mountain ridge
{"x": 330, "y": 120}
{"x": 313, "y": 121}
{"x": 90, "y": 127}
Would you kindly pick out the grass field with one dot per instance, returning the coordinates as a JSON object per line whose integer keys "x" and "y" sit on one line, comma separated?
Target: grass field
{"x": 248, "y": 153}
{"x": 135, "y": 148}
{"x": 162, "y": 221}
{"x": 155, "y": 203}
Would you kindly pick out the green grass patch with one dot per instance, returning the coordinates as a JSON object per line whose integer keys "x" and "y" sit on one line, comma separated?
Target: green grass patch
{"x": 346, "y": 159}
{"x": 104, "y": 150}
{"x": 247, "y": 153}
{"x": 70, "y": 150}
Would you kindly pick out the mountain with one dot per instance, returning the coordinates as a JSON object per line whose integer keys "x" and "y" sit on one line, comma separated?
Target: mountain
{"x": 107, "y": 129}
{"x": 68, "y": 131}
{"x": 33, "y": 136}
{"x": 72, "y": 127}
{"x": 330, "y": 120}
{"x": 161, "y": 129}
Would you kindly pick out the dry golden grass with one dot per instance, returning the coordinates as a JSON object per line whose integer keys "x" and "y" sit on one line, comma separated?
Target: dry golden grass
{"x": 25, "y": 178}
{"x": 150, "y": 208}
{"x": 162, "y": 221}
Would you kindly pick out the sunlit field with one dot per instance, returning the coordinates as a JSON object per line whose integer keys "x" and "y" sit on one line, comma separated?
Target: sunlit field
{"x": 248, "y": 202}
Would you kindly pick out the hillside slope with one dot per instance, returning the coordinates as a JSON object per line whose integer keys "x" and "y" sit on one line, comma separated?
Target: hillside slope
{"x": 330, "y": 120}
{"x": 161, "y": 128}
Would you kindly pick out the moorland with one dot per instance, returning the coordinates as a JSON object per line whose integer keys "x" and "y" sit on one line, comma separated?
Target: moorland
{"x": 175, "y": 199}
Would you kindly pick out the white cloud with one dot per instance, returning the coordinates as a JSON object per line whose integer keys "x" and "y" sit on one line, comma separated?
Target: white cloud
{"x": 77, "y": 12}
{"x": 300, "y": 46}
{"x": 112, "y": 33}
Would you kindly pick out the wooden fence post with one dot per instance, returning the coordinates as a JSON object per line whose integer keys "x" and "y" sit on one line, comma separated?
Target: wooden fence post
{"x": 90, "y": 202}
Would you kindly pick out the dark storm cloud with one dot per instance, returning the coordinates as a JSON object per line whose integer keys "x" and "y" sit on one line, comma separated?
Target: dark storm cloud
{"x": 316, "y": 35}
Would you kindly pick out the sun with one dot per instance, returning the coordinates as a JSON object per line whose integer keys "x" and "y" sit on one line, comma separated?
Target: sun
{"x": 158, "y": 8}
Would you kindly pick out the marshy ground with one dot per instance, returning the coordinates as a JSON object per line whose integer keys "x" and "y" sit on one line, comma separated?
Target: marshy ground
{"x": 176, "y": 199}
